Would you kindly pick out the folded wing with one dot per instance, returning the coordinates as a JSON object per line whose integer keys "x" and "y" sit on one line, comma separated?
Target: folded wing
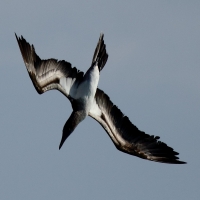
{"x": 127, "y": 137}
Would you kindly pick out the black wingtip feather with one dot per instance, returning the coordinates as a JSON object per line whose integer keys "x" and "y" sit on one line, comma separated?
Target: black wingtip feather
{"x": 31, "y": 59}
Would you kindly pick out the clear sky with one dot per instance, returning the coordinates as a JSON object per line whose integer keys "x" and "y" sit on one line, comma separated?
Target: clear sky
{"x": 152, "y": 75}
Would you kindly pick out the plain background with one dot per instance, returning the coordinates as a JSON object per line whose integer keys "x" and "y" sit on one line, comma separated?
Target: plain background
{"x": 152, "y": 75}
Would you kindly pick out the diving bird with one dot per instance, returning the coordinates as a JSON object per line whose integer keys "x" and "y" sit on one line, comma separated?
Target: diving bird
{"x": 87, "y": 99}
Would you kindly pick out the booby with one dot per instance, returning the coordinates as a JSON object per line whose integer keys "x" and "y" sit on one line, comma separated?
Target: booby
{"x": 88, "y": 100}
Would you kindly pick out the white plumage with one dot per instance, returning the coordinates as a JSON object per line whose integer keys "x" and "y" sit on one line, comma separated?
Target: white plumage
{"x": 87, "y": 99}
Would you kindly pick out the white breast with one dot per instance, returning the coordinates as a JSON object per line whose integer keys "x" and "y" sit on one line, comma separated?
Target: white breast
{"x": 87, "y": 89}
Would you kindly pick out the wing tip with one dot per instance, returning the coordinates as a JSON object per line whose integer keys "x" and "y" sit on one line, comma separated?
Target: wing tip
{"x": 20, "y": 39}
{"x": 171, "y": 161}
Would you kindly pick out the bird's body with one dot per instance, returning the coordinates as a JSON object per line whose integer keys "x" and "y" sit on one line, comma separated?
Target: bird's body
{"x": 86, "y": 99}
{"x": 87, "y": 89}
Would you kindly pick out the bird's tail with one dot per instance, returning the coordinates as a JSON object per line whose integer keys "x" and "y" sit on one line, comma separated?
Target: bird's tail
{"x": 100, "y": 55}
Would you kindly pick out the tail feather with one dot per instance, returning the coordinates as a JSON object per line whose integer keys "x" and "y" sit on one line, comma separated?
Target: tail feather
{"x": 100, "y": 55}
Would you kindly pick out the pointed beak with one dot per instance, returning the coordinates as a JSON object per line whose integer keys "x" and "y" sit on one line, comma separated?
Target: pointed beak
{"x": 62, "y": 141}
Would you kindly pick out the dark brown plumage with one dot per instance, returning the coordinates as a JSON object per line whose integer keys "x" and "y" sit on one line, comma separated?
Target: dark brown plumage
{"x": 127, "y": 137}
{"x": 53, "y": 74}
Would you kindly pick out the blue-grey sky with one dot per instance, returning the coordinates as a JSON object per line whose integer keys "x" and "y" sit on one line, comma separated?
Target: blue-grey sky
{"x": 152, "y": 75}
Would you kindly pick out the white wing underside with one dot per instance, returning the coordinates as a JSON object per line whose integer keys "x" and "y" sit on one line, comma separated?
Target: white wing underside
{"x": 127, "y": 137}
{"x": 50, "y": 74}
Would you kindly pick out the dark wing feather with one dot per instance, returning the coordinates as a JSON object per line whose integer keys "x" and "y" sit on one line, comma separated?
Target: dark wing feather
{"x": 127, "y": 137}
{"x": 49, "y": 74}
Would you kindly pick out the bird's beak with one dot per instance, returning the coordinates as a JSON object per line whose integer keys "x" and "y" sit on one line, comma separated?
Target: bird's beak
{"x": 62, "y": 141}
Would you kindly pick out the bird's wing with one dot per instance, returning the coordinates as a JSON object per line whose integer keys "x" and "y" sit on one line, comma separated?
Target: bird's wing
{"x": 127, "y": 137}
{"x": 49, "y": 74}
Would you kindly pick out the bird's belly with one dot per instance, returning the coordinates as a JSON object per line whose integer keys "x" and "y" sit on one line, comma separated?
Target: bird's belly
{"x": 87, "y": 89}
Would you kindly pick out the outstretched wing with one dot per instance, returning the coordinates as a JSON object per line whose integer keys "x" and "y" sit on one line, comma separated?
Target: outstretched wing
{"x": 127, "y": 137}
{"x": 49, "y": 74}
